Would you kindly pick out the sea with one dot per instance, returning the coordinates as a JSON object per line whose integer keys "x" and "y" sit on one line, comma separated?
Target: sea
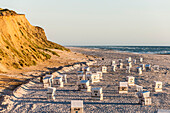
{"x": 134, "y": 49}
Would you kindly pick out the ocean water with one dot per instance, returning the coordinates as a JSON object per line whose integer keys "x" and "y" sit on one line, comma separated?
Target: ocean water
{"x": 135, "y": 49}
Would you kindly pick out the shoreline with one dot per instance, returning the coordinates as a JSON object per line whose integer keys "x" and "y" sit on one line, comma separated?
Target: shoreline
{"x": 152, "y": 53}
{"x": 165, "y": 58}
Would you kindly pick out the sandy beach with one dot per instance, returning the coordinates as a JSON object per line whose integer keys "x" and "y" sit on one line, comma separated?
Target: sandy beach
{"x": 31, "y": 96}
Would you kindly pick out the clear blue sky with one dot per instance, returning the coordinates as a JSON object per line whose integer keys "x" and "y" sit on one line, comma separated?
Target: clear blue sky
{"x": 98, "y": 22}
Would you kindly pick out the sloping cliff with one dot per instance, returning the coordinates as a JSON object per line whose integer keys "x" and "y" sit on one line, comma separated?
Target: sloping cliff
{"x": 22, "y": 44}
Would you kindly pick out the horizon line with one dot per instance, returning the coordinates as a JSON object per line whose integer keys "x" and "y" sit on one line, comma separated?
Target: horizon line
{"x": 118, "y": 45}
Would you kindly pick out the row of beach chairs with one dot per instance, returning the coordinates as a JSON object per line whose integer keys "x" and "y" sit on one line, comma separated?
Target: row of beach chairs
{"x": 85, "y": 77}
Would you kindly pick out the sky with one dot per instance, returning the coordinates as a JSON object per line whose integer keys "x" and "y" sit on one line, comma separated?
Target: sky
{"x": 98, "y": 22}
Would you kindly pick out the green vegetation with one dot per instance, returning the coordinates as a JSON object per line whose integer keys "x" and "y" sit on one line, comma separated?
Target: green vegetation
{"x": 1, "y": 53}
{"x": 32, "y": 48}
{"x": 16, "y": 65}
{"x": 46, "y": 55}
{"x": 23, "y": 52}
{"x": 21, "y": 62}
{"x": 34, "y": 57}
{"x": 7, "y": 42}
{"x": 27, "y": 47}
{"x": 53, "y": 52}
{"x": 56, "y": 46}
{"x": 21, "y": 32}
{"x": 17, "y": 52}
{"x": 34, "y": 62}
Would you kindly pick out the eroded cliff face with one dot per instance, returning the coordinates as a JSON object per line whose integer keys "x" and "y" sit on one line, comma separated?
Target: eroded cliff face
{"x": 22, "y": 44}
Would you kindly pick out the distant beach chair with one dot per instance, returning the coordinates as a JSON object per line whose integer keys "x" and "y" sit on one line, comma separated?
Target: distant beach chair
{"x": 57, "y": 82}
{"x": 139, "y": 88}
{"x": 134, "y": 61}
{"x": 104, "y": 69}
{"x": 139, "y": 70}
{"x": 131, "y": 80}
{"x": 123, "y": 87}
{"x": 100, "y": 74}
{"x": 51, "y": 93}
{"x": 142, "y": 66}
{"x": 47, "y": 81}
{"x": 96, "y": 77}
{"x": 129, "y": 64}
{"x": 84, "y": 85}
{"x": 76, "y": 106}
{"x": 114, "y": 68}
{"x": 128, "y": 59}
{"x": 144, "y": 97}
{"x": 156, "y": 68}
{"x": 128, "y": 69}
{"x": 81, "y": 77}
{"x": 141, "y": 60}
{"x": 64, "y": 77}
{"x": 97, "y": 94}
{"x": 90, "y": 78}
{"x": 113, "y": 63}
{"x": 148, "y": 67}
{"x": 120, "y": 65}
{"x": 157, "y": 86}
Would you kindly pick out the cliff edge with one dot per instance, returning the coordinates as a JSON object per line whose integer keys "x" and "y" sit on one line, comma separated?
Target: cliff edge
{"x": 22, "y": 44}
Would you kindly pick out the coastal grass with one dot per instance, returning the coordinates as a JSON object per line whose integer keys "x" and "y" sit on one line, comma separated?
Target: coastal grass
{"x": 53, "y": 52}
